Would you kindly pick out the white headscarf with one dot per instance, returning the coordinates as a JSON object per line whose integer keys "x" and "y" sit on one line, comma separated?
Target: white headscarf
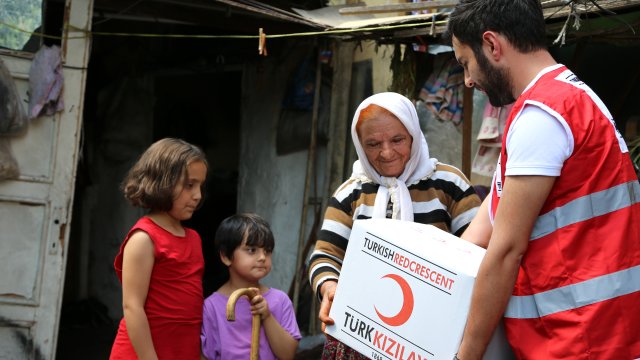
{"x": 418, "y": 167}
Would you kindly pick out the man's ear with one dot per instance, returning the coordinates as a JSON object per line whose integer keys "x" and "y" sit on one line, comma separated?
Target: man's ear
{"x": 225, "y": 260}
{"x": 492, "y": 43}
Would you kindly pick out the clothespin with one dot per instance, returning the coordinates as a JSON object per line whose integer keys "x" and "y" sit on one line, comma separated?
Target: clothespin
{"x": 433, "y": 25}
{"x": 262, "y": 43}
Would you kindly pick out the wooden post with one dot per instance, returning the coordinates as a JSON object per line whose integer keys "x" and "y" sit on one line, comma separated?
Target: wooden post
{"x": 311, "y": 160}
{"x": 339, "y": 128}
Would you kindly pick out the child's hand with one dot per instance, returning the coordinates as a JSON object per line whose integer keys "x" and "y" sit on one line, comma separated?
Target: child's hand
{"x": 260, "y": 307}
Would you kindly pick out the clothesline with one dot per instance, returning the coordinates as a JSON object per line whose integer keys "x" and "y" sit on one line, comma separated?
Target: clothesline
{"x": 87, "y": 33}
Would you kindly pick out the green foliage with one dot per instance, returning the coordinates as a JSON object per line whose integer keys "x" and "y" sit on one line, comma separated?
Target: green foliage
{"x": 18, "y": 14}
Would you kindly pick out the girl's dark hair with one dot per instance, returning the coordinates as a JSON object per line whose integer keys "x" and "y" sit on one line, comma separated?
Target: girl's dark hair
{"x": 233, "y": 230}
{"x": 520, "y": 21}
{"x": 151, "y": 181}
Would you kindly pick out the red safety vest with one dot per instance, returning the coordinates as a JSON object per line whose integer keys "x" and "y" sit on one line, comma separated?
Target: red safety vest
{"x": 577, "y": 295}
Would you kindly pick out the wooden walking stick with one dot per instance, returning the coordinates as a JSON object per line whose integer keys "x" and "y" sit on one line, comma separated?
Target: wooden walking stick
{"x": 255, "y": 320}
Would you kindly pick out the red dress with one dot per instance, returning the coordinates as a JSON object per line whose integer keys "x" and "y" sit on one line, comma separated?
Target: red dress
{"x": 174, "y": 301}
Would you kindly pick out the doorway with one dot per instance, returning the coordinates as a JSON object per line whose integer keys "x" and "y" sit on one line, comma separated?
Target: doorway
{"x": 128, "y": 106}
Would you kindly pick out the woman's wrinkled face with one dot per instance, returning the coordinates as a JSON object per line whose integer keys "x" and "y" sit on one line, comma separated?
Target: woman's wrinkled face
{"x": 387, "y": 144}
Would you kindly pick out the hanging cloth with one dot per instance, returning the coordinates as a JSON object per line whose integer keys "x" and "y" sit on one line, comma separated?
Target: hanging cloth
{"x": 443, "y": 91}
{"x": 46, "y": 82}
{"x": 490, "y": 139}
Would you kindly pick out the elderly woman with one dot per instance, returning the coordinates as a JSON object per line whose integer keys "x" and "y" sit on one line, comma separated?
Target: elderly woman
{"x": 393, "y": 178}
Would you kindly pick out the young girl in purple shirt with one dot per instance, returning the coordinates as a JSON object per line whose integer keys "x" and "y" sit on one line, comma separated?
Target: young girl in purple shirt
{"x": 245, "y": 243}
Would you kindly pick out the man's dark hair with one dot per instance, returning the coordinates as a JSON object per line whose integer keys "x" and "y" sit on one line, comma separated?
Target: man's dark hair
{"x": 520, "y": 21}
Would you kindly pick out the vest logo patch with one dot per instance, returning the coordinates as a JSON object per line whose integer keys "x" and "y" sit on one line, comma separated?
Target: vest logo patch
{"x": 570, "y": 78}
{"x": 497, "y": 177}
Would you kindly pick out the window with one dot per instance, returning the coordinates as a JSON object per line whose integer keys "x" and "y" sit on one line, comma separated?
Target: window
{"x": 18, "y": 19}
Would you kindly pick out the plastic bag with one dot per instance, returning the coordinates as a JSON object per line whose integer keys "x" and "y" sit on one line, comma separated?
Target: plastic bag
{"x": 8, "y": 165}
{"x": 13, "y": 118}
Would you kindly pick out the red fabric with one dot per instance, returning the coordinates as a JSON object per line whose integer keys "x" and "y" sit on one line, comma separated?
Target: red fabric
{"x": 605, "y": 330}
{"x": 174, "y": 301}
{"x": 582, "y": 251}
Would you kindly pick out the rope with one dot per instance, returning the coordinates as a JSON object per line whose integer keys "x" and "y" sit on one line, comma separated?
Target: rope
{"x": 206, "y": 36}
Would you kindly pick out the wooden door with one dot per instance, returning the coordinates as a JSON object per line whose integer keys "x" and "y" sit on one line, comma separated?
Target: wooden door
{"x": 35, "y": 208}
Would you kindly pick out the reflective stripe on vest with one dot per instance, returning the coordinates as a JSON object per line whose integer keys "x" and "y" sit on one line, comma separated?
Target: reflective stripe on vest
{"x": 587, "y": 207}
{"x": 574, "y": 296}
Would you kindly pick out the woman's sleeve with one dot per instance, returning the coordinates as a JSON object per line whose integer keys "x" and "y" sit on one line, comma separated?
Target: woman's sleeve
{"x": 325, "y": 261}
{"x": 463, "y": 202}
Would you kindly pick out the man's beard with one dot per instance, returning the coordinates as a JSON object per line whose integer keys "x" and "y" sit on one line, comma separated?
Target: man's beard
{"x": 496, "y": 84}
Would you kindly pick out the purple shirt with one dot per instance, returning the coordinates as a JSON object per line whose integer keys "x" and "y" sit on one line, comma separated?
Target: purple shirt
{"x": 236, "y": 335}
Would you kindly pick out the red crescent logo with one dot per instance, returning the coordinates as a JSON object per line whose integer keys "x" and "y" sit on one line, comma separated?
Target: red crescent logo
{"x": 407, "y": 304}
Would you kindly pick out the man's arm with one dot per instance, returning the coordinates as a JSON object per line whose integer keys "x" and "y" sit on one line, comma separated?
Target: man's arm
{"x": 521, "y": 201}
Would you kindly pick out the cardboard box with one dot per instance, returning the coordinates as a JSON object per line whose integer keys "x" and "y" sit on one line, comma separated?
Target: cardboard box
{"x": 404, "y": 292}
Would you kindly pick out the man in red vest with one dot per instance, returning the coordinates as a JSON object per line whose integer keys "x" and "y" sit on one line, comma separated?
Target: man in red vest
{"x": 562, "y": 222}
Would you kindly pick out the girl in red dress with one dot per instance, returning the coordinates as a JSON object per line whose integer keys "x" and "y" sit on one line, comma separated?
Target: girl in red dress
{"x": 160, "y": 263}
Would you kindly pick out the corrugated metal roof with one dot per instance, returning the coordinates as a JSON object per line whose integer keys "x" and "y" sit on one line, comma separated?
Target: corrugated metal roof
{"x": 434, "y": 23}
{"x": 382, "y": 22}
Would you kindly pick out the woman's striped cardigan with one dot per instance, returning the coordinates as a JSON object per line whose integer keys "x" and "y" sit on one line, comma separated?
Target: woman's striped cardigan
{"x": 445, "y": 199}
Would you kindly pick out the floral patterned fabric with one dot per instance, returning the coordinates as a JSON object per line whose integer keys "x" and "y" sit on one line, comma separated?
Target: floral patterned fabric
{"x": 335, "y": 350}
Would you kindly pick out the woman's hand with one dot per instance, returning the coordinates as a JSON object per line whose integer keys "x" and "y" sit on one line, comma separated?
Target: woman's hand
{"x": 328, "y": 291}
